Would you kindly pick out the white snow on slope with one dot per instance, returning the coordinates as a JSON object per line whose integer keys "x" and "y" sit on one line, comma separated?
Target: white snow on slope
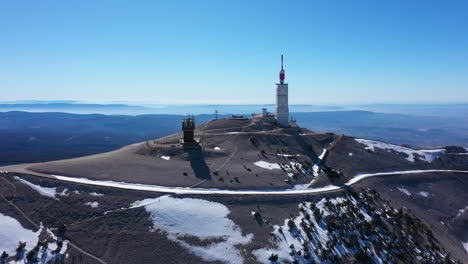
{"x": 465, "y": 246}
{"x": 92, "y": 204}
{"x": 96, "y": 194}
{"x": 427, "y": 155}
{"x": 217, "y": 148}
{"x": 267, "y": 165}
{"x": 287, "y": 155}
{"x": 285, "y": 238}
{"x": 423, "y": 194}
{"x": 316, "y": 167}
{"x": 11, "y": 232}
{"x": 461, "y": 211}
{"x": 188, "y": 190}
{"x": 46, "y": 191}
{"x": 232, "y": 133}
{"x": 64, "y": 192}
{"x": 403, "y": 190}
{"x": 165, "y": 157}
{"x": 316, "y": 170}
{"x": 53, "y": 246}
{"x": 322, "y": 155}
{"x": 206, "y": 220}
{"x": 294, "y": 167}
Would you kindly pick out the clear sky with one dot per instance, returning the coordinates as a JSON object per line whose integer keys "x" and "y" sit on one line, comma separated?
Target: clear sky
{"x": 229, "y": 51}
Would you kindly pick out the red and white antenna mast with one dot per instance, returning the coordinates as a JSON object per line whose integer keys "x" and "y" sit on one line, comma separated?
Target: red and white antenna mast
{"x": 281, "y": 74}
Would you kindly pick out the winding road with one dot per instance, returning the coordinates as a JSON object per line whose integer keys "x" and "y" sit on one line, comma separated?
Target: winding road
{"x": 300, "y": 189}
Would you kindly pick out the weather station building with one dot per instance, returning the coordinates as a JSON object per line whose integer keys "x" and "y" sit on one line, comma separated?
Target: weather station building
{"x": 281, "y": 118}
{"x": 282, "y": 106}
{"x": 188, "y": 128}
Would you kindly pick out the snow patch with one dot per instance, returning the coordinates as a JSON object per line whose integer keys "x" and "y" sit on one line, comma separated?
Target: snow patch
{"x": 267, "y": 165}
{"x": 322, "y": 155}
{"x": 427, "y": 155}
{"x": 64, "y": 192}
{"x": 285, "y": 236}
{"x": 302, "y": 186}
{"x": 350, "y": 154}
{"x": 232, "y": 133}
{"x": 46, "y": 191}
{"x": 461, "y": 211}
{"x": 465, "y": 246}
{"x": 217, "y": 148}
{"x": 11, "y": 232}
{"x": 54, "y": 246}
{"x": 423, "y": 194}
{"x": 403, "y": 190}
{"x": 165, "y": 157}
{"x": 180, "y": 217}
{"x": 92, "y": 204}
{"x": 293, "y": 167}
{"x": 287, "y": 155}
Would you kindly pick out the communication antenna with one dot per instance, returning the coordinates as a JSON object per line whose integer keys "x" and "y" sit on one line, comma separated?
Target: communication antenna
{"x": 293, "y": 120}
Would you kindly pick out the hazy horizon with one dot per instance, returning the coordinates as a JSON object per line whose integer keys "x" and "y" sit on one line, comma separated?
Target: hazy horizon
{"x": 458, "y": 110}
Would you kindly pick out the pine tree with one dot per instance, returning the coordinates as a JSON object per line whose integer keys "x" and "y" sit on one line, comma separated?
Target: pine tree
{"x": 3, "y": 257}
{"x": 20, "y": 249}
{"x": 31, "y": 256}
{"x": 273, "y": 257}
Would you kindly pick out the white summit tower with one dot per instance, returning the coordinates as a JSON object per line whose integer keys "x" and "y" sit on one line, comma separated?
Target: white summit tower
{"x": 282, "y": 108}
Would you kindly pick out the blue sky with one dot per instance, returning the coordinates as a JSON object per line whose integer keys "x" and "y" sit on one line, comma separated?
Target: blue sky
{"x": 228, "y": 51}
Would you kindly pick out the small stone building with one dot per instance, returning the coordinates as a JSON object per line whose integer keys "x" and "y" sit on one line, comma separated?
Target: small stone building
{"x": 188, "y": 128}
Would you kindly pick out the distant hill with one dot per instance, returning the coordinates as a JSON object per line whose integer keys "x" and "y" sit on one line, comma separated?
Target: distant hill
{"x": 78, "y": 108}
{"x": 140, "y": 109}
{"x": 417, "y": 131}
{"x": 33, "y": 137}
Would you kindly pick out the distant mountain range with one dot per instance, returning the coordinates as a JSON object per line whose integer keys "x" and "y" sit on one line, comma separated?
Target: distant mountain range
{"x": 129, "y": 108}
{"x": 133, "y": 109}
{"x": 33, "y": 137}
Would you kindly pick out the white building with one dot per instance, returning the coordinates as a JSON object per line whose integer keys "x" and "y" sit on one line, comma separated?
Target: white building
{"x": 282, "y": 108}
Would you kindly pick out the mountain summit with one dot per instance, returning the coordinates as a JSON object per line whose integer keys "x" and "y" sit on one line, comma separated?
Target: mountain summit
{"x": 243, "y": 190}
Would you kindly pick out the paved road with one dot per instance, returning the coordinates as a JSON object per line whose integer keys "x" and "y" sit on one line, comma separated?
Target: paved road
{"x": 206, "y": 191}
